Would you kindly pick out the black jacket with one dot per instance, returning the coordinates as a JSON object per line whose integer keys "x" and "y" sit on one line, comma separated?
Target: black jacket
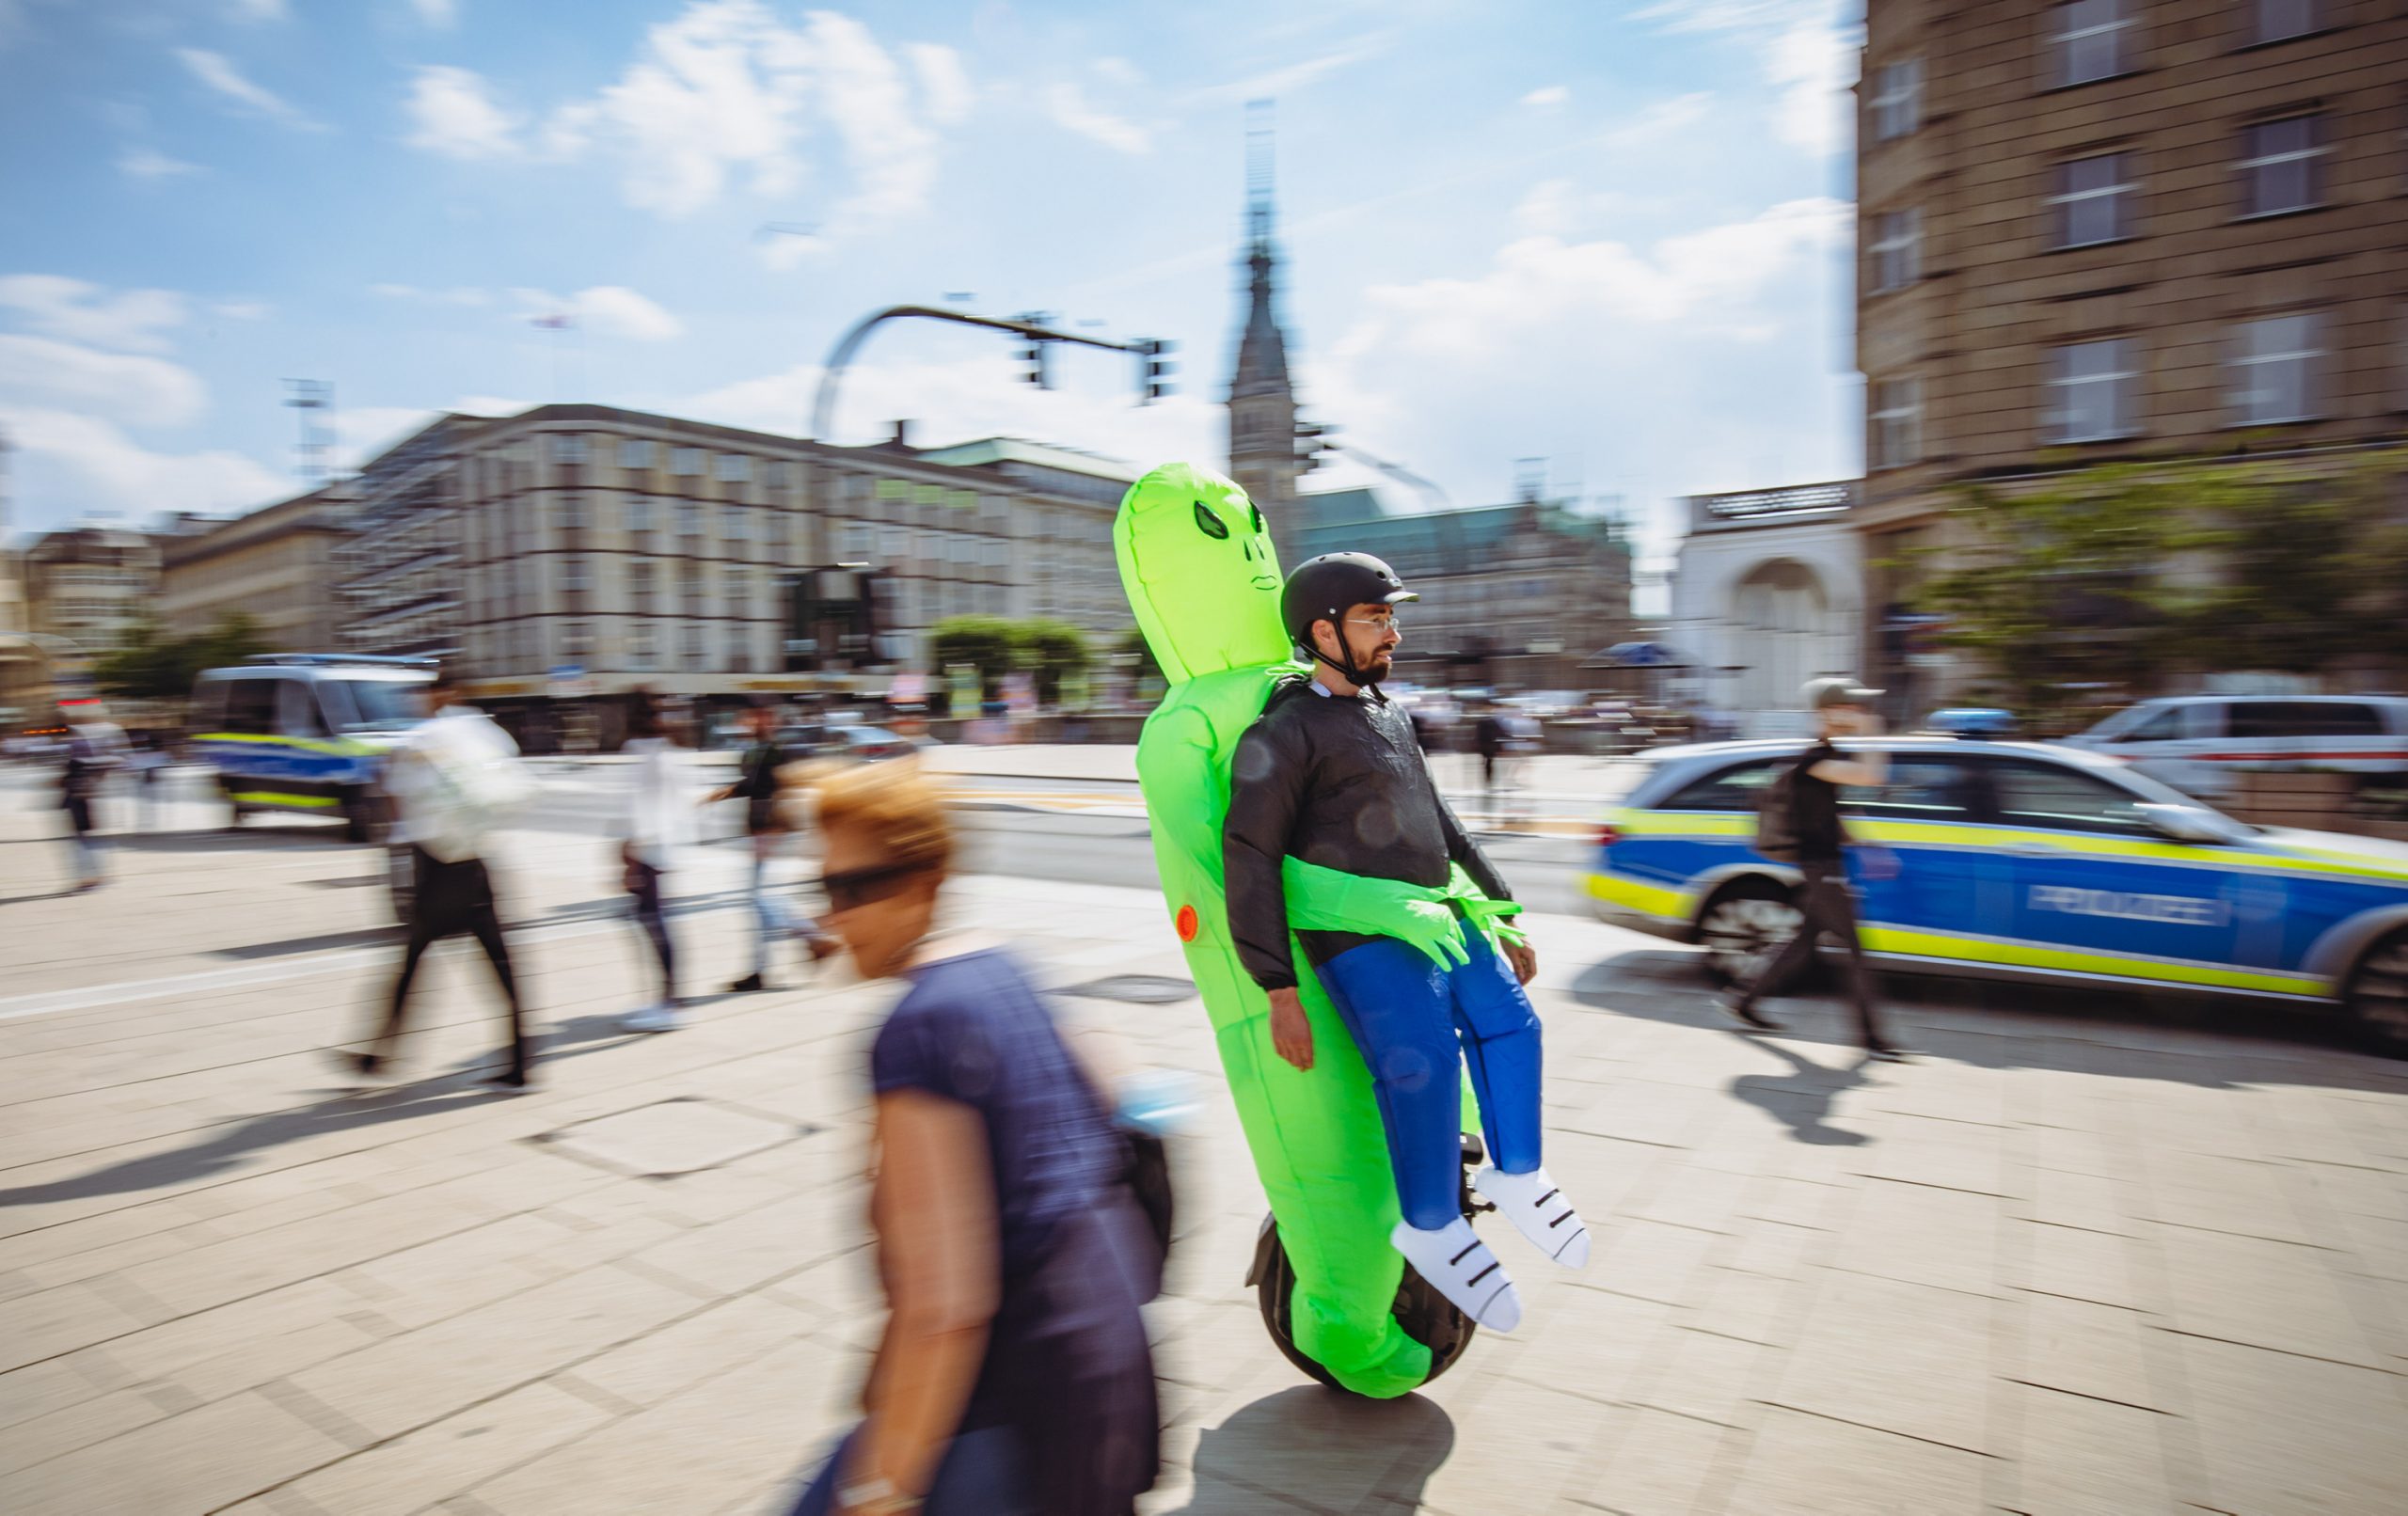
{"x": 1340, "y": 783}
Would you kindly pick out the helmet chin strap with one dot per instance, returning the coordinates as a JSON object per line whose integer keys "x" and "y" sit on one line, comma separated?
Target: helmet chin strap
{"x": 1352, "y": 674}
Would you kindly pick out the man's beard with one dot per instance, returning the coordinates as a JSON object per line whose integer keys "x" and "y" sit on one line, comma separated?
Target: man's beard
{"x": 1377, "y": 668}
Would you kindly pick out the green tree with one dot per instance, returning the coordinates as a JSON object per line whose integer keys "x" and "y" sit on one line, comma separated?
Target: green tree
{"x": 2126, "y": 573}
{"x": 1050, "y": 651}
{"x": 1133, "y": 644}
{"x": 153, "y": 666}
{"x": 984, "y": 643}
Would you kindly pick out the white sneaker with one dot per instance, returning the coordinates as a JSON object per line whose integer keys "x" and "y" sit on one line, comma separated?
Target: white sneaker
{"x": 1455, "y": 1260}
{"x": 653, "y": 1018}
{"x": 1539, "y": 1212}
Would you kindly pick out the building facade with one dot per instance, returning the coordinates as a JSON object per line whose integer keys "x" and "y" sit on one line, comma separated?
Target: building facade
{"x": 86, "y": 590}
{"x": 1766, "y": 593}
{"x": 1514, "y": 596}
{"x": 2119, "y": 229}
{"x": 276, "y": 565}
{"x": 614, "y": 549}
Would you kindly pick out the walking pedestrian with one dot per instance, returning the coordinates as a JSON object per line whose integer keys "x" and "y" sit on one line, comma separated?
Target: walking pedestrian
{"x": 451, "y": 782}
{"x": 656, "y": 822}
{"x": 1014, "y": 1377}
{"x": 756, "y": 784}
{"x": 149, "y": 757}
{"x": 1825, "y": 903}
{"x": 95, "y": 750}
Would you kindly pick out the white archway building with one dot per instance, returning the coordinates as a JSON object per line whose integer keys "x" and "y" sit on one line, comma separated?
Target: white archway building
{"x": 1767, "y": 592}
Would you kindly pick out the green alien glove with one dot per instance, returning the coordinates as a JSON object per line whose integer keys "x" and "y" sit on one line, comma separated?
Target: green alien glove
{"x": 1486, "y": 914}
{"x": 1327, "y": 900}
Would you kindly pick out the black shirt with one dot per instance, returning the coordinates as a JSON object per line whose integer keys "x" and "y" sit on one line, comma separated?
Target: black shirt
{"x": 1337, "y": 781}
{"x": 1814, "y": 808}
{"x": 756, "y": 781}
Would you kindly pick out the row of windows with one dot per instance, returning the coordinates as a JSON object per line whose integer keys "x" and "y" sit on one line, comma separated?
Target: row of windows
{"x": 2088, "y": 40}
{"x": 2015, "y": 792}
{"x": 2272, "y": 370}
{"x": 638, "y": 453}
{"x": 2096, "y": 199}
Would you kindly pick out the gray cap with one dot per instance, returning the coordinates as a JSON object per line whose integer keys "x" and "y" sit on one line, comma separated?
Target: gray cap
{"x": 1836, "y": 690}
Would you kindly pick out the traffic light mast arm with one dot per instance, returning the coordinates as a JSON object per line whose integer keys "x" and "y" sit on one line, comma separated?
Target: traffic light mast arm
{"x": 823, "y": 409}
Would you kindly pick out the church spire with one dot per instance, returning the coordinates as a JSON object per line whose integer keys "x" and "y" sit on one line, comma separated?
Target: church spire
{"x": 1262, "y": 402}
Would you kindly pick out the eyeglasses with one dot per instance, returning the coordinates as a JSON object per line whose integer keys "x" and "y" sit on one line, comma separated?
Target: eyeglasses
{"x": 1381, "y": 624}
{"x": 853, "y": 888}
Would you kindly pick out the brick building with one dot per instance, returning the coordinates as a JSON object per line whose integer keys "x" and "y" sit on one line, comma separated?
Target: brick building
{"x": 2118, "y": 230}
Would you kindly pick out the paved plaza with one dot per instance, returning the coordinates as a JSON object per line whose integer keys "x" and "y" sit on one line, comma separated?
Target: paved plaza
{"x": 2078, "y": 1257}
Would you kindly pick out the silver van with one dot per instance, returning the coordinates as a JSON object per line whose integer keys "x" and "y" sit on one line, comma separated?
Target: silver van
{"x": 2199, "y": 743}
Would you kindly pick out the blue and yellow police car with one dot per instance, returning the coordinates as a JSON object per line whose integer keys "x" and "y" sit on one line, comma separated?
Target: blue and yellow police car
{"x": 307, "y": 732}
{"x": 2023, "y": 860}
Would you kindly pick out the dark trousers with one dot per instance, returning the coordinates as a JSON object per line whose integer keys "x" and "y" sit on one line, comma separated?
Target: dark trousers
{"x": 1827, "y": 907}
{"x": 448, "y": 899}
{"x": 644, "y": 885}
{"x": 981, "y": 1473}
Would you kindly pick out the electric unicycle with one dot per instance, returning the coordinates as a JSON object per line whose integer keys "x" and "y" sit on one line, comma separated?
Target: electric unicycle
{"x": 1427, "y": 1317}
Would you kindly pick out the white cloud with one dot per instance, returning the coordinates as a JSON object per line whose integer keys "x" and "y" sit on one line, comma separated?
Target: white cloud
{"x": 453, "y": 113}
{"x": 241, "y": 310}
{"x": 149, "y": 163}
{"x": 607, "y": 309}
{"x": 439, "y": 14}
{"x": 1547, "y": 95}
{"x": 256, "y": 10}
{"x": 1291, "y": 79}
{"x": 139, "y": 390}
{"x": 1702, "y": 360}
{"x": 945, "y": 84}
{"x": 1067, "y": 106}
{"x": 53, "y": 304}
{"x": 1119, "y": 71}
{"x": 1806, "y": 50}
{"x": 212, "y": 69}
{"x": 105, "y": 469}
{"x": 465, "y": 294}
{"x": 726, "y": 92}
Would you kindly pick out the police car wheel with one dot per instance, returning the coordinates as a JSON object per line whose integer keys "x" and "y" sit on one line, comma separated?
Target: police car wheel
{"x": 1742, "y": 927}
{"x": 2377, "y": 996}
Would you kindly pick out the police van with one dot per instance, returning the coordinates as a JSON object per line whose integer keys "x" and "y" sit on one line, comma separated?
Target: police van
{"x": 2023, "y": 860}
{"x": 307, "y": 733}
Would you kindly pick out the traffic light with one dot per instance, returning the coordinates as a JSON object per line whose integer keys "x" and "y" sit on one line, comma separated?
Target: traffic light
{"x": 1035, "y": 351}
{"x": 1153, "y": 368}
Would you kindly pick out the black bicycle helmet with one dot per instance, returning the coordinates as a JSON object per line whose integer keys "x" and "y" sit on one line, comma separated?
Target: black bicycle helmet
{"x": 1325, "y": 589}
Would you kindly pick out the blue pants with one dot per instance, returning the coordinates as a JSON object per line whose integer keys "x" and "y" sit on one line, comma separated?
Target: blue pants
{"x": 1416, "y": 1024}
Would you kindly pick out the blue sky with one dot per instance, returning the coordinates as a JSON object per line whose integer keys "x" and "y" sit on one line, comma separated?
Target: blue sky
{"x": 1610, "y": 234}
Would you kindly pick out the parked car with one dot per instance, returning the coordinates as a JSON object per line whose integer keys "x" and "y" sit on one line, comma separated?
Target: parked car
{"x": 2197, "y": 743}
{"x": 2025, "y": 861}
{"x": 307, "y": 733}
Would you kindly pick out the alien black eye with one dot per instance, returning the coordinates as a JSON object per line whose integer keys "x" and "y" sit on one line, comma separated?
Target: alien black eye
{"x": 1209, "y": 524}
{"x": 1258, "y": 518}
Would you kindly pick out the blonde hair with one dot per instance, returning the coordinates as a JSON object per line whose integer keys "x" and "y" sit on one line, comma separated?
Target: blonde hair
{"x": 896, "y": 804}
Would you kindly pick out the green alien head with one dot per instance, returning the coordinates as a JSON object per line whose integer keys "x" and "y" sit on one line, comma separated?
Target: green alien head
{"x": 1197, "y": 561}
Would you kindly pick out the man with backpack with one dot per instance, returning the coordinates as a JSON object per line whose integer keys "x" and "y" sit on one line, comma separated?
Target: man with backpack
{"x": 1799, "y": 821}
{"x": 453, "y": 783}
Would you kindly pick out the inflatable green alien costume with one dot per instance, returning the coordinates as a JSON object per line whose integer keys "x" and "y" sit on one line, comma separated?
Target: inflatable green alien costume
{"x": 1196, "y": 561}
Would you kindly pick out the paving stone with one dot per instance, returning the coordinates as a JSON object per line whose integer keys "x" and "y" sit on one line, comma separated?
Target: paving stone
{"x": 1922, "y": 1236}
{"x": 1659, "y": 1465}
{"x": 2080, "y": 1265}
{"x": 2088, "y": 1201}
{"x": 1590, "y": 1343}
{"x": 2086, "y": 1349}
{"x": 2282, "y": 1433}
{"x": 1515, "y": 1437}
{"x": 2088, "y": 1458}
{"x": 2265, "y": 1294}
{"x": 1806, "y": 1465}
{"x": 194, "y": 1463}
{"x": 1775, "y": 1249}
{"x": 1648, "y": 1260}
{"x": 661, "y": 1363}
{"x": 1905, "y": 1358}
{"x": 409, "y": 1472}
{"x": 1949, "y": 1155}
{"x": 1711, "y": 1378}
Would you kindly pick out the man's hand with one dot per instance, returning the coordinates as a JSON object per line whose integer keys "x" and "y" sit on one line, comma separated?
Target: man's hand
{"x": 1291, "y": 1033}
{"x": 1525, "y": 959}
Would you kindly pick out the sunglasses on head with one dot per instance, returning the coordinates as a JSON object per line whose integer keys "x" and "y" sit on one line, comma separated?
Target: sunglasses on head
{"x": 849, "y": 889}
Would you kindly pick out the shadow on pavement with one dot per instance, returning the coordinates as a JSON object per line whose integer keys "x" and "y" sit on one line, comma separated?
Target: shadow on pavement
{"x": 1322, "y": 1450}
{"x": 337, "y": 1111}
{"x": 1801, "y": 1099}
{"x": 1991, "y": 1023}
